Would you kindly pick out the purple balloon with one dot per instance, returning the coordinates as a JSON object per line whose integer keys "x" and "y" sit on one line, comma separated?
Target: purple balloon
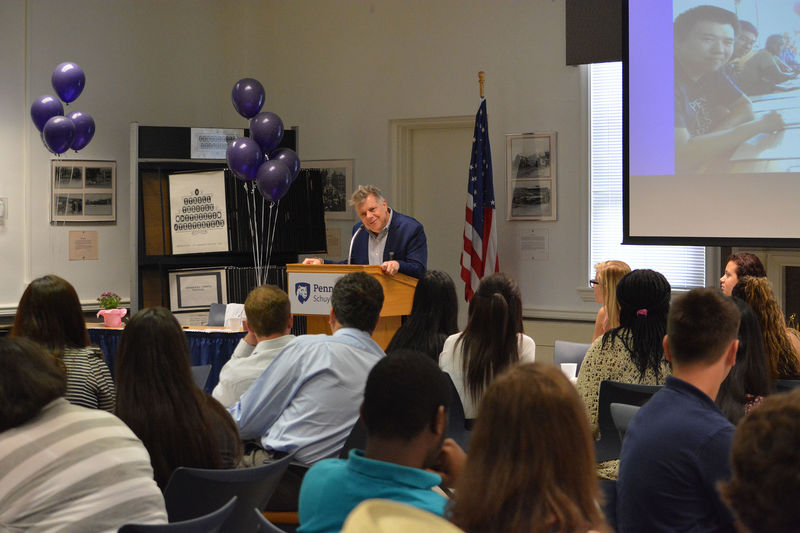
{"x": 244, "y": 158}
{"x": 273, "y": 180}
{"x": 68, "y": 81}
{"x": 247, "y": 97}
{"x": 267, "y": 129}
{"x": 288, "y": 156}
{"x": 58, "y": 134}
{"x": 84, "y": 129}
{"x": 43, "y": 109}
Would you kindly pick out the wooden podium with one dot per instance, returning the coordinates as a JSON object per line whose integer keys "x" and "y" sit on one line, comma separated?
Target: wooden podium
{"x": 398, "y": 295}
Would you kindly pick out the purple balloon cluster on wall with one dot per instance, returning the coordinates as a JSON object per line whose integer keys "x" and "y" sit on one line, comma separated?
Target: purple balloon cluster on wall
{"x": 59, "y": 132}
{"x": 259, "y": 158}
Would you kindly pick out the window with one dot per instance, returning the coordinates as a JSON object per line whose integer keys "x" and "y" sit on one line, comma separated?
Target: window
{"x": 683, "y": 266}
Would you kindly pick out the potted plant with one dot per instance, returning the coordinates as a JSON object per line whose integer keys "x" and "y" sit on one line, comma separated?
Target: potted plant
{"x": 109, "y": 309}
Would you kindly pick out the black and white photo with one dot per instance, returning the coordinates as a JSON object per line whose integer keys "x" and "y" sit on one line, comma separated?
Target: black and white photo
{"x": 83, "y": 191}
{"x": 531, "y": 176}
{"x": 337, "y": 185}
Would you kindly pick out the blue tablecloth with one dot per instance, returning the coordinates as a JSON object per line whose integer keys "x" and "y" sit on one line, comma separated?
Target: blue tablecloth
{"x": 205, "y": 348}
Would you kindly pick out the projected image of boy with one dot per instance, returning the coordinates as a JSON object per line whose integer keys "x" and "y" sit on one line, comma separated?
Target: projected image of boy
{"x": 712, "y": 115}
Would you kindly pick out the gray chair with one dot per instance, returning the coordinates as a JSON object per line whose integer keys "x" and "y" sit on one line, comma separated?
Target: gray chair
{"x": 569, "y": 352}
{"x": 193, "y": 491}
{"x": 622, "y": 414}
{"x": 610, "y": 444}
{"x": 209, "y": 523}
{"x": 200, "y": 375}
{"x": 787, "y": 385}
{"x": 264, "y": 525}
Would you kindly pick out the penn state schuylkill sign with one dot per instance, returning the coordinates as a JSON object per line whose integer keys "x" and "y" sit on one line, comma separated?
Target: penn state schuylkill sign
{"x": 310, "y": 292}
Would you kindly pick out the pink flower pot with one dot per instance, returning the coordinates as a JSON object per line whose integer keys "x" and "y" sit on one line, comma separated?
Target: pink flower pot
{"x": 112, "y": 317}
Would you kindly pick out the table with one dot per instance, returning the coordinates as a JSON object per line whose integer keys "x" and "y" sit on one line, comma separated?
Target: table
{"x": 207, "y": 346}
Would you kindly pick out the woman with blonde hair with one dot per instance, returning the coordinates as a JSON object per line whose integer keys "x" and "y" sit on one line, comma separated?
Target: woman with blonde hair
{"x": 541, "y": 477}
{"x": 780, "y": 342}
{"x": 607, "y": 275}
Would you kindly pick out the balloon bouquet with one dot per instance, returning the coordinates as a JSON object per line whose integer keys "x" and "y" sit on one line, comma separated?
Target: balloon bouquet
{"x": 59, "y": 132}
{"x": 259, "y": 160}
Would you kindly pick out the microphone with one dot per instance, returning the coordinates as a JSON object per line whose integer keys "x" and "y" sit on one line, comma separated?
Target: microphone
{"x": 350, "y": 252}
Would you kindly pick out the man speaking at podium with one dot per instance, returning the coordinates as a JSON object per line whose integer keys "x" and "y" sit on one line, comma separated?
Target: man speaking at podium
{"x": 384, "y": 237}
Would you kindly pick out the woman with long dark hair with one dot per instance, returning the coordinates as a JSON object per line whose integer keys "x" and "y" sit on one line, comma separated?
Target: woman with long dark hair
{"x": 179, "y": 424}
{"x": 749, "y": 380}
{"x": 530, "y": 467}
{"x": 433, "y": 318}
{"x": 50, "y": 314}
{"x": 780, "y": 342}
{"x": 492, "y": 341}
{"x": 632, "y": 352}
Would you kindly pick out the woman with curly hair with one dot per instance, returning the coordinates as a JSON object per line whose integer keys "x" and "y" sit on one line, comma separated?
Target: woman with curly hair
{"x": 492, "y": 341}
{"x": 632, "y": 352}
{"x": 530, "y": 467}
{"x": 781, "y": 343}
{"x": 738, "y": 266}
{"x": 606, "y": 276}
{"x": 179, "y": 424}
{"x": 50, "y": 313}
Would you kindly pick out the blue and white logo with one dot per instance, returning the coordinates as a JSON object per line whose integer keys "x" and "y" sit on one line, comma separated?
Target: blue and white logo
{"x": 302, "y": 290}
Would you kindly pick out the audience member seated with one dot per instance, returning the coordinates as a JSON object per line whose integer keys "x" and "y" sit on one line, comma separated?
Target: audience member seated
{"x": 268, "y": 323}
{"x": 780, "y": 342}
{"x": 677, "y": 447}
{"x": 405, "y": 412}
{"x": 530, "y": 466}
{"x": 178, "y": 423}
{"x": 50, "y": 313}
{"x": 764, "y": 488}
{"x": 64, "y": 467}
{"x": 632, "y": 352}
{"x": 740, "y": 265}
{"x": 712, "y": 115}
{"x": 433, "y": 318}
{"x": 764, "y": 71}
{"x": 492, "y": 341}
{"x": 742, "y": 48}
{"x": 749, "y": 381}
{"x": 606, "y": 276}
{"x": 307, "y": 399}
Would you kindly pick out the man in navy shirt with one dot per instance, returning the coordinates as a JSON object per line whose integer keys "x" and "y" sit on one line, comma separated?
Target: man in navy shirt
{"x": 678, "y": 445}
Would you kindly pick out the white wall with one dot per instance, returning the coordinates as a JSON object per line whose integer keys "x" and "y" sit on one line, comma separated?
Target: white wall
{"x": 339, "y": 70}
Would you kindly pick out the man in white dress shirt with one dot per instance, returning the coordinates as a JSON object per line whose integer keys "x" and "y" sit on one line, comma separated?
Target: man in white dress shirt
{"x": 269, "y": 320}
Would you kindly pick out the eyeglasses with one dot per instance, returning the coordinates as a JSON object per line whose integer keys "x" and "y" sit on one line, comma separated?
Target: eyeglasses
{"x": 593, "y": 282}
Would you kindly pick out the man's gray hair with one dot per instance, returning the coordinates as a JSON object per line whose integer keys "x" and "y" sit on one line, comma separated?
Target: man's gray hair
{"x": 362, "y": 192}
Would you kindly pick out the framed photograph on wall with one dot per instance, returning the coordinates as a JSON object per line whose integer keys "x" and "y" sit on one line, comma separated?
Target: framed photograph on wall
{"x": 337, "y": 180}
{"x": 531, "y": 179}
{"x": 83, "y": 191}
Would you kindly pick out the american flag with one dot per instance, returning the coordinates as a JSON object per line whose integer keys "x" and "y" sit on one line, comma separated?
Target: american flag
{"x": 480, "y": 233}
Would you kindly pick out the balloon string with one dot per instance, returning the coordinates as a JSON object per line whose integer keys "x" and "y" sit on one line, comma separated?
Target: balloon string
{"x": 274, "y": 224}
{"x": 250, "y": 219}
{"x": 257, "y": 239}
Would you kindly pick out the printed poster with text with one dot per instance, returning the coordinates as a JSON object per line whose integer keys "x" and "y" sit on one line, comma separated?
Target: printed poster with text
{"x": 198, "y": 217}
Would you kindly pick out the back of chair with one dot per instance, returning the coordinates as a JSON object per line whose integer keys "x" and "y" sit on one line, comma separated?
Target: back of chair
{"x": 569, "y": 352}
{"x": 610, "y": 444}
{"x": 622, "y": 414}
{"x": 200, "y": 375}
{"x": 264, "y": 525}
{"x": 193, "y": 491}
{"x": 216, "y": 314}
{"x": 456, "y": 421}
{"x": 210, "y": 523}
{"x": 787, "y": 385}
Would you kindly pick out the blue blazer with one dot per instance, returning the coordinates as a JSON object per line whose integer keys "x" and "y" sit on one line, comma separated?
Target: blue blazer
{"x": 406, "y": 241}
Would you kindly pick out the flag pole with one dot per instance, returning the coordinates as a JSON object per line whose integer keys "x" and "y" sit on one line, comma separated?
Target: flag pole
{"x": 481, "y": 80}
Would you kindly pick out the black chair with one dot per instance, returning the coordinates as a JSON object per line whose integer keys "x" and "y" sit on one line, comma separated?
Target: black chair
{"x": 209, "y": 523}
{"x": 622, "y": 414}
{"x": 787, "y": 385}
{"x": 200, "y": 375}
{"x": 264, "y": 525}
{"x": 457, "y": 423}
{"x": 193, "y": 491}
{"x": 609, "y": 445}
{"x": 569, "y": 352}
{"x": 357, "y": 439}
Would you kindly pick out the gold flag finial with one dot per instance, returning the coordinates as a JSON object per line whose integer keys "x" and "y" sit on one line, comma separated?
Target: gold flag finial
{"x": 481, "y": 80}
